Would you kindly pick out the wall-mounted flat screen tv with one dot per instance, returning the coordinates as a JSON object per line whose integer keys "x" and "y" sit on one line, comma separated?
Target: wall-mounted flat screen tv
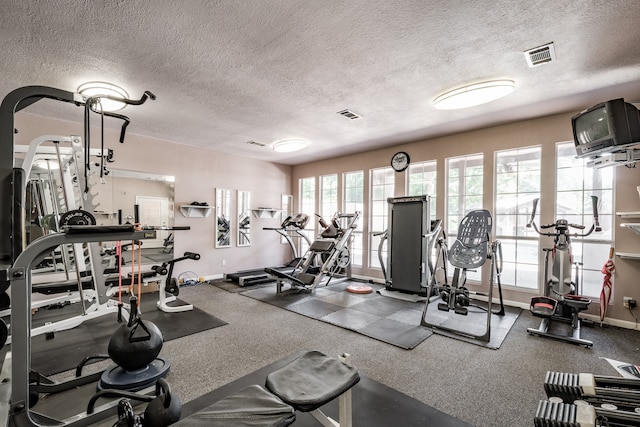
{"x": 606, "y": 128}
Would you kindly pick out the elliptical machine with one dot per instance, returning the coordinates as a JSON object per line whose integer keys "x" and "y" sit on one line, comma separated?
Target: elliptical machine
{"x": 561, "y": 300}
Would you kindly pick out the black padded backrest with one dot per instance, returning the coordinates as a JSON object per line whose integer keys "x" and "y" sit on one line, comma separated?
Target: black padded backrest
{"x": 471, "y": 248}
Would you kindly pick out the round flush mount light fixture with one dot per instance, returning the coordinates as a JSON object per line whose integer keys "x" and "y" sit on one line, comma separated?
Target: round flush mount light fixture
{"x": 289, "y": 145}
{"x": 475, "y": 94}
{"x": 104, "y": 91}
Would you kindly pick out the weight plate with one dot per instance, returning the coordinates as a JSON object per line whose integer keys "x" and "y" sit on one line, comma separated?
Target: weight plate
{"x": 77, "y": 217}
{"x": 344, "y": 258}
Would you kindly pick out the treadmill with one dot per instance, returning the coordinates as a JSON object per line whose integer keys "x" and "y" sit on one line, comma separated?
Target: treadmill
{"x": 290, "y": 228}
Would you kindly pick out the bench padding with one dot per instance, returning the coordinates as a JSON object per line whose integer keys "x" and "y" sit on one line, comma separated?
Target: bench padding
{"x": 312, "y": 380}
{"x": 252, "y": 406}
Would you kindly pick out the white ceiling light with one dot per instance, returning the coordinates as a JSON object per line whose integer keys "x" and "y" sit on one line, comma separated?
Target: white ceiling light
{"x": 101, "y": 89}
{"x": 289, "y": 145}
{"x": 475, "y": 94}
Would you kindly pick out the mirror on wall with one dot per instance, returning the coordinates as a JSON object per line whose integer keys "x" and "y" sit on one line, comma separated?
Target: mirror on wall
{"x": 223, "y": 213}
{"x": 244, "y": 218}
{"x": 123, "y": 190}
{"x": 119, "y": 190}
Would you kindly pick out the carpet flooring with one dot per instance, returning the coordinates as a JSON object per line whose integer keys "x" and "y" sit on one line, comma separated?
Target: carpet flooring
{"x": 92, "y": 337}
{"x": 390, "y": 320}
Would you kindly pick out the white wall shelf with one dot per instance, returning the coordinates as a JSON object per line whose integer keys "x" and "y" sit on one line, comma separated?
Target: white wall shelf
{"x": 628, "y": 255}
{"x": 633, "y": 226}
{"x": 628, "y": 215}
{"x": 195, "y": 211}
{"x": 265, "y": 212}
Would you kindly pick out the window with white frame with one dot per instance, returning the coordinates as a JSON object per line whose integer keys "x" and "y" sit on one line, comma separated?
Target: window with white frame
{"x": 422, "y": 179}
{"x": 308, "y": 206}
{"x": 464, "y": 177}
{"x": 517, "y": 181}
{"x": 328, "y": 196}
{"x": 575, "y": 184}
{"x": 353, "y": 195}
{"x": 382, "y": 184}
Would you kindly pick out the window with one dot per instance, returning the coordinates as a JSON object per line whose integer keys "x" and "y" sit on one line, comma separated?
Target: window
{"x": 422, "y": 180}
{"x": 575, "y": 184}
{"x": 328, "y": 196}
{"x": 517, "y": 180}
{"x": 308, "y": 206}
{"x": 464, "y": 193}
{"x": 353, "y": 193}
{"x": 382, "y": 187}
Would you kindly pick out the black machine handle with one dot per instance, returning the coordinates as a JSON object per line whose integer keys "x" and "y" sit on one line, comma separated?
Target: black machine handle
{"x": 160, "y": 269}
{"x": 596, "y": 220}
{"x": 562, "y": 224}
{"x": 135, "y": 321}
{"x": 145, "y": 96}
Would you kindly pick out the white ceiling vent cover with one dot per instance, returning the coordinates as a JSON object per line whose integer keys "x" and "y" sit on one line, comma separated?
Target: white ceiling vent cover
{"x": 349, "y": 114}
{"x": 540, "y": 55}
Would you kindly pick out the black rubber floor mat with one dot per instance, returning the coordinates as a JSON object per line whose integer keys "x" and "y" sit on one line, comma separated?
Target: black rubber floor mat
{"x": 474, "y": 323}
{"x": 68, "y": 348}
{"x": 390, "y": 320}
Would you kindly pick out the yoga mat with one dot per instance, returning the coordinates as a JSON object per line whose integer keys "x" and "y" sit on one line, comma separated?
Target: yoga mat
{"x": 390, "y": 320}
{"x": 68, "y": 348}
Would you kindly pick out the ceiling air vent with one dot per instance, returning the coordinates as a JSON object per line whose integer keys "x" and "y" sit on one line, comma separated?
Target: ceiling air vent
{"x": 540, "y": 55}
{"x": 349, "y": 114}
{"x": 259, "y": 144}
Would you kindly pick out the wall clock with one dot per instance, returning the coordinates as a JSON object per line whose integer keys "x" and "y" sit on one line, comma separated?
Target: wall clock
{"x": 400, "y": 161}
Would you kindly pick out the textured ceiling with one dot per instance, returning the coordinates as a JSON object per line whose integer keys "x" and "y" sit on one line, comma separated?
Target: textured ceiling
{"x": 228, "y": 72}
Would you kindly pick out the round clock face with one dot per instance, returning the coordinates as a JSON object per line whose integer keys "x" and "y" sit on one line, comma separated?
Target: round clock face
{"x": 400, "y": 161}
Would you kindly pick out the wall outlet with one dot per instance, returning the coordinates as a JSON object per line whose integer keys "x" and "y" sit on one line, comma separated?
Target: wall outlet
{"x": 628, "y": 302}
{"x": 224, "y": 262}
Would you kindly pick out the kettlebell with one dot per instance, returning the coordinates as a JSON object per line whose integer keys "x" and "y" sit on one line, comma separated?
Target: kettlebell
{"x": 165, "y": 409}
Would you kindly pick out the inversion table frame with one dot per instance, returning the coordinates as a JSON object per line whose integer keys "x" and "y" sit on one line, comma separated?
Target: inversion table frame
{"x": 471, "y": 250}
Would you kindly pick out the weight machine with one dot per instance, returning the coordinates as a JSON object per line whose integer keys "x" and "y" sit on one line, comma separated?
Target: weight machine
{"x": 171, "y": 285}
{"x": 17, "y": 260}
{"x": 561, "y": 300}
{"x": 331, "y": 251}
{"x": 57, "y": 200}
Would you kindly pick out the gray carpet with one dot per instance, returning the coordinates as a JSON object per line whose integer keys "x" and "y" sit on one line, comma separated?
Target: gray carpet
{"x": 477, "y": 385}
{"x": 386, "y": 319}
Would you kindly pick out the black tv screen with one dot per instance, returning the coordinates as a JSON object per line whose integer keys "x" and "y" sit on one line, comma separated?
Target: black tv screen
{"x": 606, "y": 127}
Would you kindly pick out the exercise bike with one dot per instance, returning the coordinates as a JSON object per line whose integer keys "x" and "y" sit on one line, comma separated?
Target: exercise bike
{"x": 561, "y": 300}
